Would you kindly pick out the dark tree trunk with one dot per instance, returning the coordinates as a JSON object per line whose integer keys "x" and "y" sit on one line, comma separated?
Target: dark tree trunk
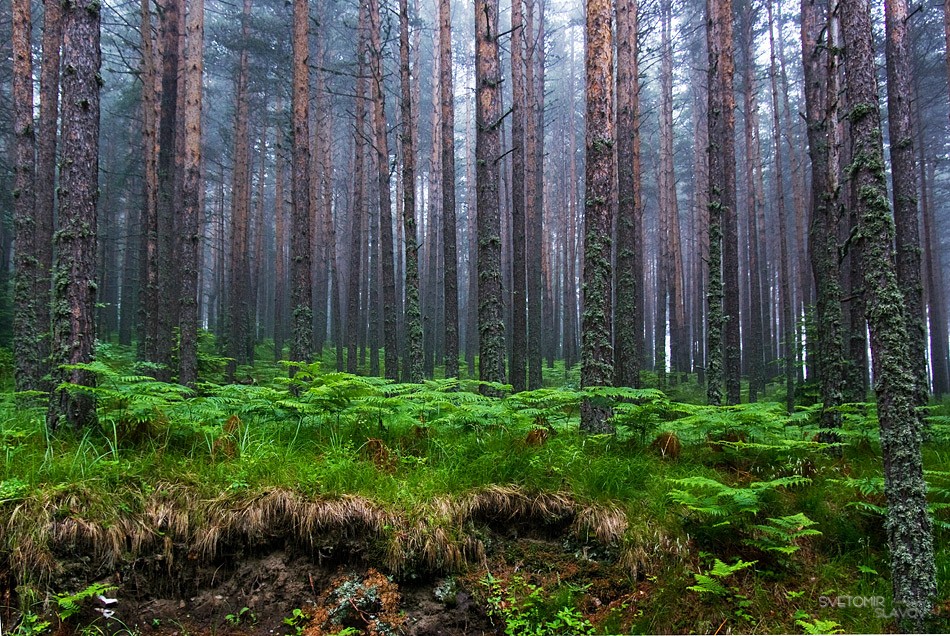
{"x": 301, "y": 347}
{"x": 449, "y": 239}
{"x": 722, "y": 196}
{"x": 74, "y": 297}
{"x": 354, "y": 272}
{"x": 238, "y": 292}
{"x": 413, "y": 361}
{"x": 148, "y": 265}
{"x": 908, "y": 520}
{"x": 46, "y": 163}
{"x": 534, "y": 186}
{"x": 518, "y": 366}
{"x": 28, "y": 330}
{"x": 597, "y": 352}
{"x": 821, "y": 99}
{"x": 280, "y": 241}
{"x": 168, "y": 288}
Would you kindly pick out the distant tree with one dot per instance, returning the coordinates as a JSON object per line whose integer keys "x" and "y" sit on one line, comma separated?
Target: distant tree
{"x": 597, "y": 352}
{"x": 908, "y": 523}
{"x": 491, "y": 327}
{"x": 517, "y": 368}
{"x": 74, "y": 293}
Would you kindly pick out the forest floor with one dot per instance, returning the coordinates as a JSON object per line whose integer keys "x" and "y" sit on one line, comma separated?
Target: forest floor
{"x": 340, "y": 504}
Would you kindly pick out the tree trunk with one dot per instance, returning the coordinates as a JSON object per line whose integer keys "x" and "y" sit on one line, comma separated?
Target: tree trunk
{"x": 148, "y": 266}
{"x": 534, "y": 187}
{"x": 788, "y": 318}
{"x": 902, "y": 132}
{"x": 28, "y": 330}
{"x": 491, "y": 327}
{"x": 413, "y": 361}
{"x": 45, "y": 185}
{"x": 280, "y": 240}
{"x": 190, "y": 227}
{"x": 629, "y": 328}
{"x": 239, "y": 311}
{"x": 168, "y": 288}
{"x": 908, "y": 521}
{"x": 518, "y": 365}
{"x": 756, "y": 360}
{"x": 74, "y": 297}
{"x": 722, "y": 197}
{"x": 301, "y": 347}
{"x": 821, "y": 100}
{"x": 597, "y": 352}
{"x": 356, "y": 210}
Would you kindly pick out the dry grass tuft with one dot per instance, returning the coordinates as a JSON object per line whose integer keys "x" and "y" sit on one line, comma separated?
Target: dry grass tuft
{"x": 605, "y": 523}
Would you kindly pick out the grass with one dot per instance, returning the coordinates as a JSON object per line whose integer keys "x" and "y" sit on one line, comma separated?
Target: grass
{"x": 414, "y": 473}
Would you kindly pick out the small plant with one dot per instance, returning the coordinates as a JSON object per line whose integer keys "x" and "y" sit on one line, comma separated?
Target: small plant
{"x": 70, "y": 604}
{"x": 819, "y": 626}
{"x": 522, "y": 607}
{"x": 298, "y": 619}
{"x": 244, "y": 615}
{"x": 781, "y": 534}
{"x": 711, "y": 583}
{"x": 31, "y": 625}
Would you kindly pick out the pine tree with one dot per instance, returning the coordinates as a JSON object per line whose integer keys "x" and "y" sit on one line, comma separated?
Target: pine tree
{"x": 74, "y": 292}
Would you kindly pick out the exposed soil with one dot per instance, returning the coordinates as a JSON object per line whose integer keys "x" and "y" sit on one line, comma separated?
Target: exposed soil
{"x": 257, "y": 593}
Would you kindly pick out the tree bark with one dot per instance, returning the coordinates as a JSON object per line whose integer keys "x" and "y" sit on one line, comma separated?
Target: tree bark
{"x": 722, "y": 194}
{"x": 534, "y": 186}
{"x": 902, "y": 132}
{"x": 413, "y": 361}
{"x": 167, "y": 185}
{"x": 597, "y": 352}
{"x": 190, "y": 228}
{"x": 301, "y": 347}
{"x": 518, "y": 366}
{"x": 74, "y": 290}
{"x": 491, "y": 327}
{"x": 28, "y": 330}
{"x": 908, "y": 520}
{"x": 629, "y": 328}
{"x": 148, "y": 270}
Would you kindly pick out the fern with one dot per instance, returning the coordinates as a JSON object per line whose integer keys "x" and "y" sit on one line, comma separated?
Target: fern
{"x": 781, "y": 533}
{"x": 70, "y": 604}
{"x": 710, "y": 582}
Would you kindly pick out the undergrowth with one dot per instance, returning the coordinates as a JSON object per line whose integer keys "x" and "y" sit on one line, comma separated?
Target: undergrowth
{"x": 750, "y": 523}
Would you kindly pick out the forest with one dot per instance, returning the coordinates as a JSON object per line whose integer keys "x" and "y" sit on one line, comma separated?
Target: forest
{"x": 437, "y": 317}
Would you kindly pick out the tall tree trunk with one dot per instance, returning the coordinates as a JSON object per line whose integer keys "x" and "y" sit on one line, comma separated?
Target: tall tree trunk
{"x": 74, "y": 297}
{"x": 756, "y": 360}
{"x": 908, "y": 521}
{"x": 629, "y": 328}
{"x": 190, "y": 226}
{"x": 450, "y": 271}
{"x": 45, "y": 185}
{"x": 385, "y": 202}
{"x": 148, "y": 266}
{"x": 935, "y": 287}
{"x": 821, "y": 104}
{"x": 167, "y": 186}
{"x": 357, "y": 212}
{"x": 518, "y": 365}
{"x": 788, "y": 319}
{"x": 413, "y": 361}
{"x": 239, "y": 310}
{"x": 534, "y": 186}
{"x": 28, "y": 330}
{"x": 491, "y": 327}
{"x": 301, "y": 347}
{"x": 902, "y": 132}
{"x": 597, "y": 352}
{"x": 280, "y": 240}
{"x": 722, "y": 196}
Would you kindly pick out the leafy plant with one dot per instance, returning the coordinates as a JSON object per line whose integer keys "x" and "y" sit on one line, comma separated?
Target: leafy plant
{"x": 819, "y": 626}
{"x": 71, "y": 604}
{"x": 523, "y": 609}
{"x": 781, "y": 533}
{"x": 244, "y": 615}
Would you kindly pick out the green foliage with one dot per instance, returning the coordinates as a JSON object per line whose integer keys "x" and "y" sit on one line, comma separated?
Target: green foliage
{"x": 781, "y": 534}
{"x": 242, "y": 616}
{"x": 69, "y": 605}
{"x": 711, "y": 582}
{"x": 524, "y": 609}
{"x": 31, "y": 625}
{"x": 819, "y": 626}
{"x": 711, "y": 498}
